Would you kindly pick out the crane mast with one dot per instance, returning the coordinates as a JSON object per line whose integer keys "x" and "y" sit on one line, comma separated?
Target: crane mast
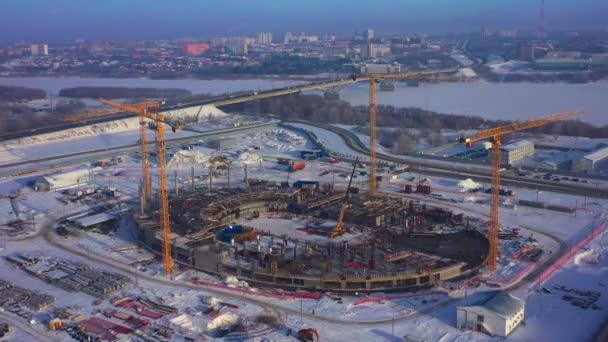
{"x": 431, "y": 76}
{"x": 494, "y": 135}
{"x": 148, "y": 110}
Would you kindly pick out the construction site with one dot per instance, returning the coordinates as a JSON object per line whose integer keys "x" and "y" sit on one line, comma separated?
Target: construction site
{"x": 274, "y": 228}
{"x": 286, "y": 237}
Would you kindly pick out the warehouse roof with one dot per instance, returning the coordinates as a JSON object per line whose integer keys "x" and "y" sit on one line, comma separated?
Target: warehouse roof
{"x": 597, "y": 155}
{"x": 95, "y": 219}
{"x": 61, "y": 180}
{"x": 503, "y": 304}
{"x": 516, "y": 145}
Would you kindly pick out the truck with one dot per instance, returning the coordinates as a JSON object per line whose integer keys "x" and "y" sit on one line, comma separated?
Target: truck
{"x": 293, "y": 167}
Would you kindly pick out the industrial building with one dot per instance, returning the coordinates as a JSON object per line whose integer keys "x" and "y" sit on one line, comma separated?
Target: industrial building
{"x": 498, "y": 316}
{"x": 64, "y": 180}
{"x": 516, "y": 151}
{"x": 591, "y": 162}
{"x": 222, "y": 143}
{"x": 101, "y": 220}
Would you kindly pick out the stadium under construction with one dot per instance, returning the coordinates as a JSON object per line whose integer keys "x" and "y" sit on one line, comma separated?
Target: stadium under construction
{"x": 283, "y": 236}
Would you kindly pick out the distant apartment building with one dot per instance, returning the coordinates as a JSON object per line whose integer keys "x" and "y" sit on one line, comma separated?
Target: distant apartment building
{"x": 264, "y": 38}
{"x": 369, "y": 34}
{"x": 378, "y": 68}
{"x": 508, "y": 33}
{"x": 514, "y": 152}
{"x": 527, "y": 52}
{"x": 336, "y": 51}
{"x": 287, "y": 38}
{"x": 375, "y": 50}
{"x": 591, "y": 162}
{"x": 195, "y": 49}
{"x": 218, "y": 42}
{"x": 39, "y": 49}
{"x": 236, "y": 48}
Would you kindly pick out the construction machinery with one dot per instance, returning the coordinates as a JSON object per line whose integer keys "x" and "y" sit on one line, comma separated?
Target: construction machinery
{"x": 308, "y": 335}
{"x": 149, "y": 110}
{"x": 494, "y": 135}
{"x": 426, "y": 76}
{"x": 337, "y": 231}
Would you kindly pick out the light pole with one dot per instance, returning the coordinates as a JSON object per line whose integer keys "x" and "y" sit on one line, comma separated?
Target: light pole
{"x": 393, "y": 327}
{"x": 301, "y": 313}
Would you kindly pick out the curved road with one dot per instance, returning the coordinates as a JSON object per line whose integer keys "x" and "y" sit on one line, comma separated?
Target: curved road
{"x": 450, "y": 168}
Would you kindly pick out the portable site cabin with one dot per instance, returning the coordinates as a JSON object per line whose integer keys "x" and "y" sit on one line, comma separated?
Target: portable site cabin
{"x": 498, "y": 316}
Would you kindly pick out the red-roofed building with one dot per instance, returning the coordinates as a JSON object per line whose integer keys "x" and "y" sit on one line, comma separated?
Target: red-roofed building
{"x": 195, "y": 49}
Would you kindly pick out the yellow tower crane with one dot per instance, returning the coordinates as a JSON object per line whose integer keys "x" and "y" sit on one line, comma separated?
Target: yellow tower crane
{"x": 149, "y": 110}
{"x": 494, "y": 135}
{"x": 426, "y": 76}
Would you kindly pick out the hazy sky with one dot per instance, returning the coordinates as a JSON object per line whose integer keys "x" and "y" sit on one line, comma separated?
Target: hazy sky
{"x": 61, "y": 20}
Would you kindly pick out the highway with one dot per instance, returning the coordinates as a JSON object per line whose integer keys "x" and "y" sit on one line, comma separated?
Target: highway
{"x": 80, "y": 157}
{"x": 217, "y": 101}
{"x": 459, "y": 170}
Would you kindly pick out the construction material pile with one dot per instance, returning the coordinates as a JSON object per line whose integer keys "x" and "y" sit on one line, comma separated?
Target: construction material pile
{"x": 184, "y": 159}
{"x": 469, "y": 184}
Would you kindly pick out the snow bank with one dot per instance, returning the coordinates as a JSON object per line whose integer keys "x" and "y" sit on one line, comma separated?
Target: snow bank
{"x": 279, "y": 139}
{"x": 249, "y": 158}
{"x": 96, "y": 129}
{"x": 469, "y": 184}
{"x": 235, "y": 282}
{"x": 224, "y": 321}
{"x": 183, "y": 159}
{"x": 587, "y": 257}
{"x": 210, "y": 111}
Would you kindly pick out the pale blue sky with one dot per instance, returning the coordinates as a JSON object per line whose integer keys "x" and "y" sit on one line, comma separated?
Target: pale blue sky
{"x": 59, "y": 20}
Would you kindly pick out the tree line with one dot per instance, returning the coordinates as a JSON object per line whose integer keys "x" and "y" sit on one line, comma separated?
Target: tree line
{"x": 14, "y": 94}
{"x": 317, "y": 108}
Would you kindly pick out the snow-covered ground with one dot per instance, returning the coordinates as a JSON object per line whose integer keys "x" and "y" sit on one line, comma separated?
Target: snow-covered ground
{"x": 426, "y": 317}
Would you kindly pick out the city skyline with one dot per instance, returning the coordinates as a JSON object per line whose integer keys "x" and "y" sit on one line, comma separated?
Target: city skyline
{"x": 65, "y": 20}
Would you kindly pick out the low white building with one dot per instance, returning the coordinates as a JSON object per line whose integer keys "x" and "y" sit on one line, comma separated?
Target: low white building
{"x": 498, "y": 316}
{"x": 591, "y": 161}
{"x": 516, "y": 151}
{"x": 63, "y": 180}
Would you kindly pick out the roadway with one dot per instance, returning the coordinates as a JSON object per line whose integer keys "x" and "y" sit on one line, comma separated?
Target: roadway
{"x": 458, "y": 170}
{"x": 85, "y": 156}
{"x": 216, "y": 101}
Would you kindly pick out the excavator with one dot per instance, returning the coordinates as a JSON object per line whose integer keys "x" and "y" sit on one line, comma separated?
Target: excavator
{"x": 345, "y": 205}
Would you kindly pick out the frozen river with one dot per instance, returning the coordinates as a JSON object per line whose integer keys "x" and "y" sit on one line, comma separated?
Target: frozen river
{"x": 490, "y": 100}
